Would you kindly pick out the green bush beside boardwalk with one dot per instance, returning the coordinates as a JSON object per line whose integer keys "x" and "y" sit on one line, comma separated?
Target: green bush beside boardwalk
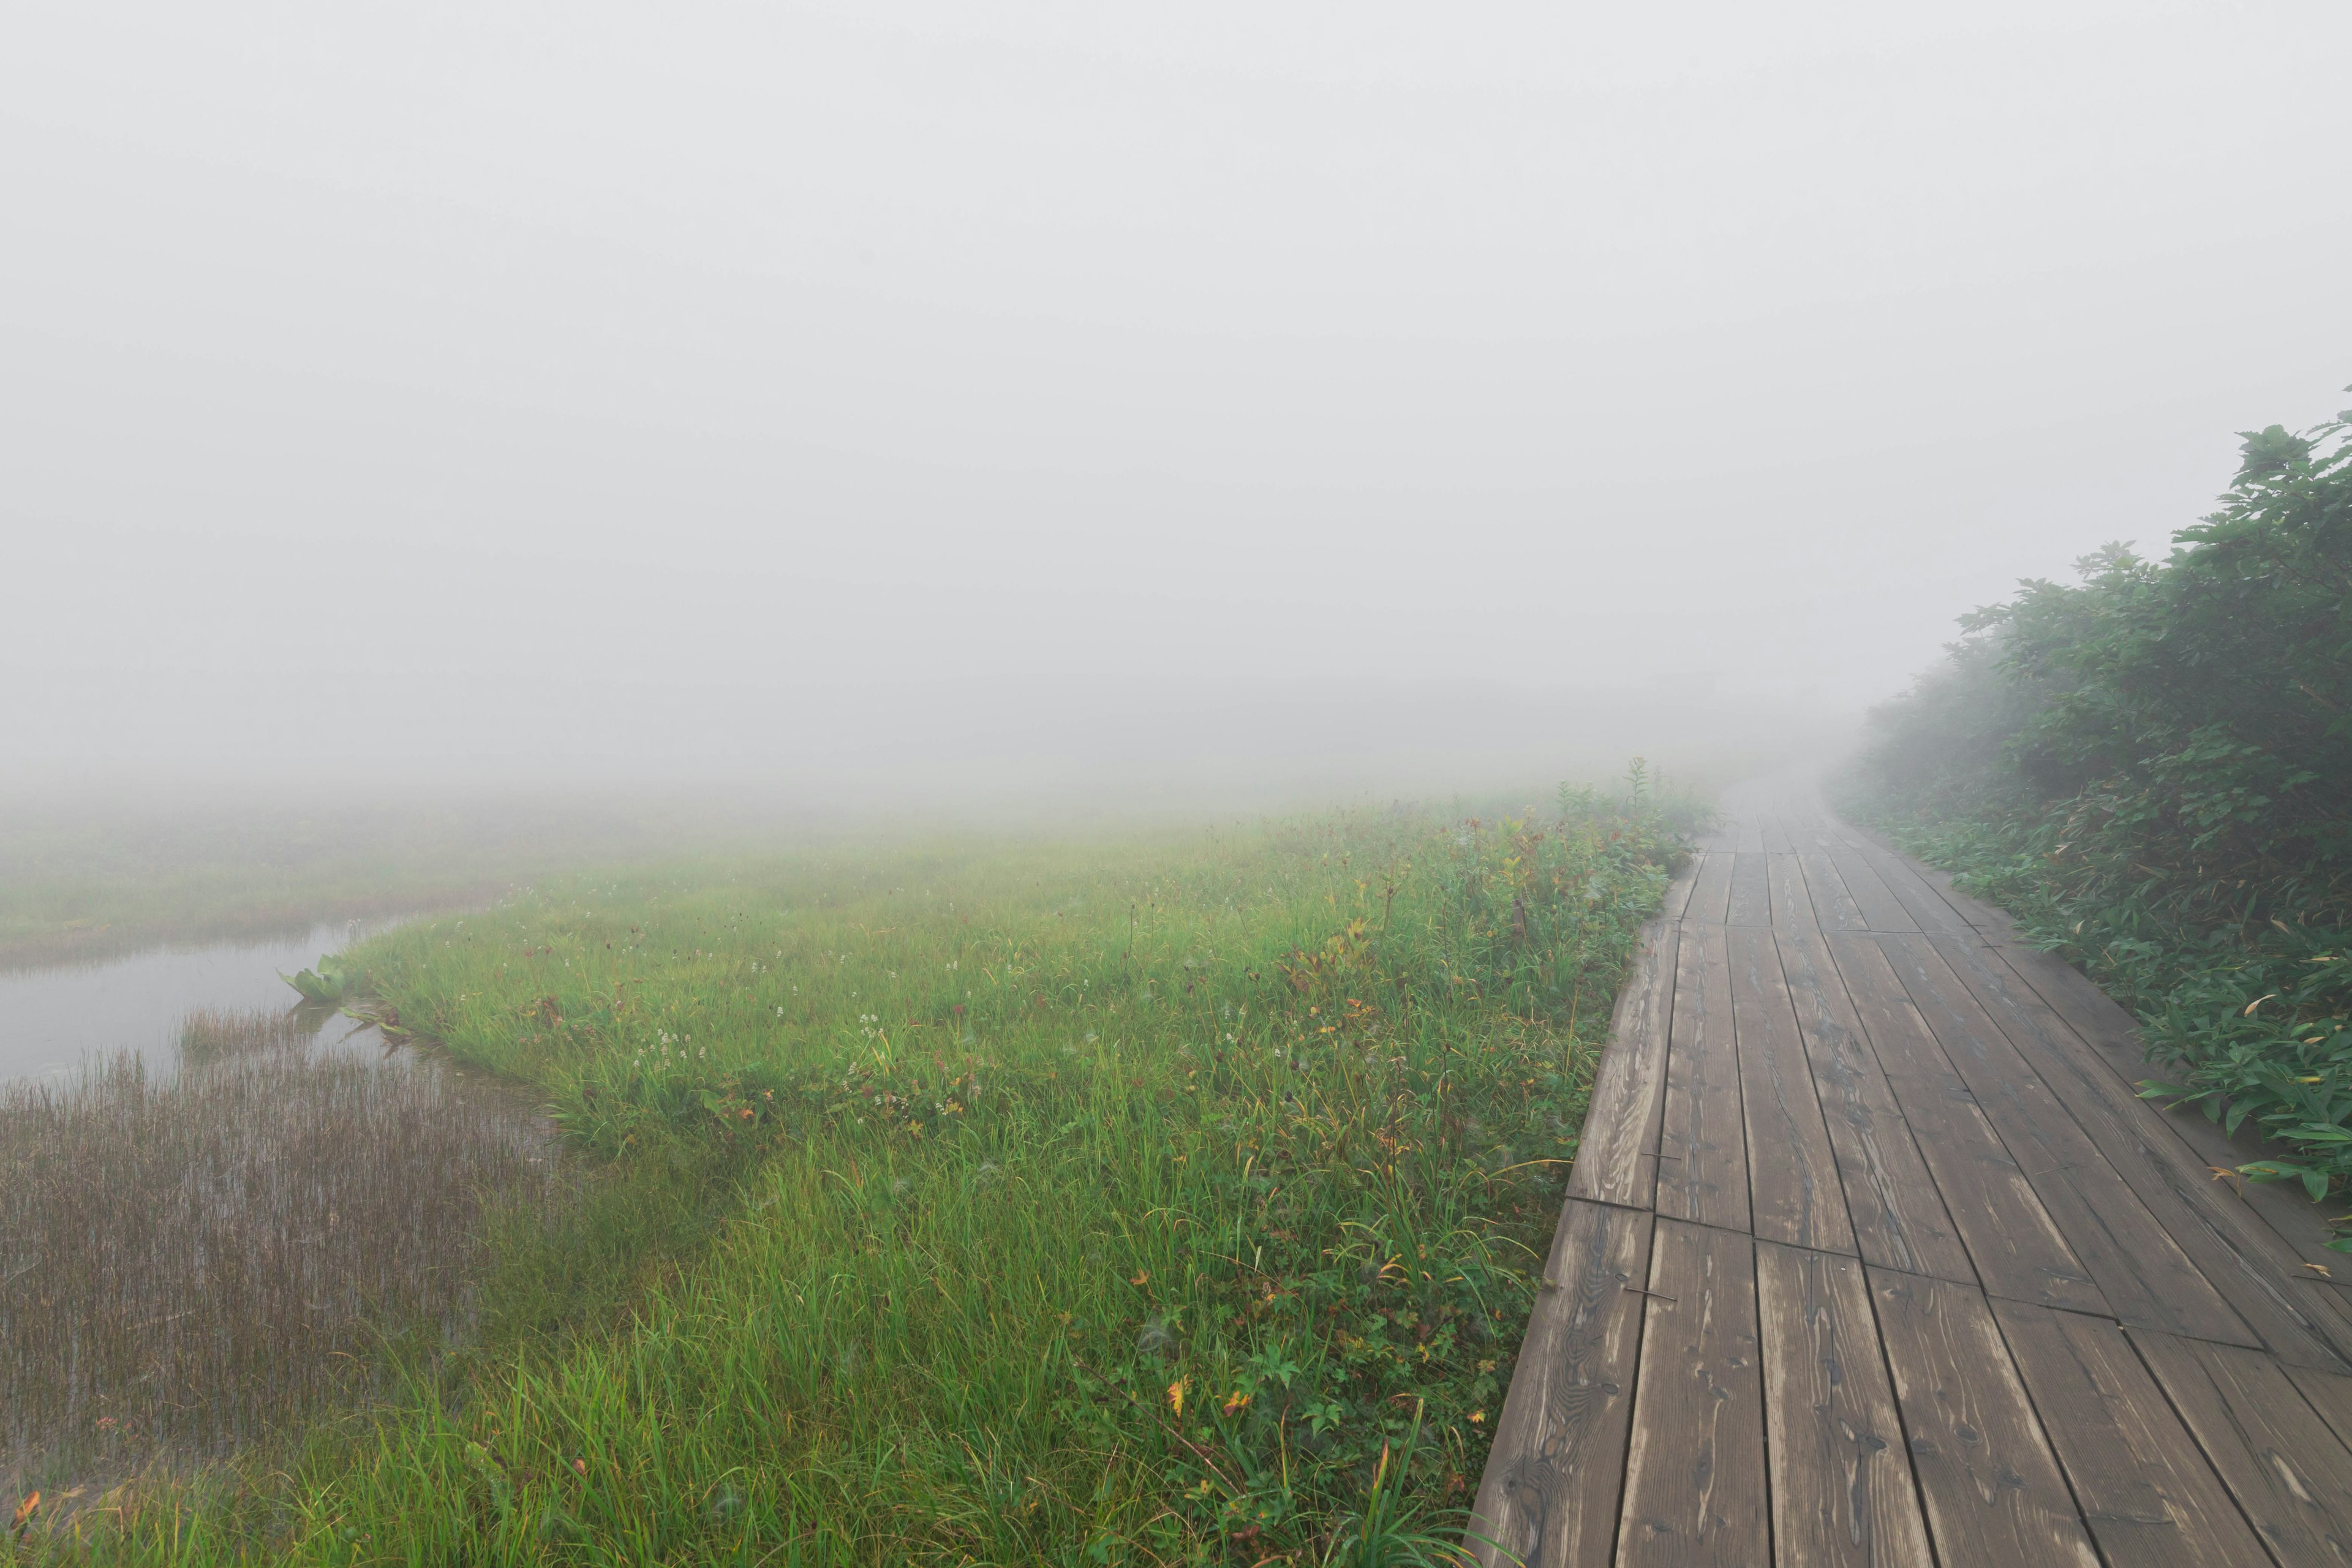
{"x": 2152, "y": 769}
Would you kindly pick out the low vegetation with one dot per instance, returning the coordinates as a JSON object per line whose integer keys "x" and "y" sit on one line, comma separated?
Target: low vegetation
{"x": 1177, "y": 1202}
{"x": 2152, "y": 769}
{"x": 188, "y": 1262}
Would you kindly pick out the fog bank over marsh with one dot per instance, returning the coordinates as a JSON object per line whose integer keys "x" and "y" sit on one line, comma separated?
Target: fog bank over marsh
{"x": 892, "y": 402}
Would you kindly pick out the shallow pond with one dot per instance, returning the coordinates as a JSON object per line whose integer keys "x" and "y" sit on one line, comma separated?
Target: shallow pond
{"x": 50, "y": 1019}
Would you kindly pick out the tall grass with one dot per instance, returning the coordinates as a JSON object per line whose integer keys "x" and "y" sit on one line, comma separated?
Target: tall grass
{"x": 187, "y": 1263}
{"x": 1176, "y": 1203}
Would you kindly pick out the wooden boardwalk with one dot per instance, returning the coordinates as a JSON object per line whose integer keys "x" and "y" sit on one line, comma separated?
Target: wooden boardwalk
{"x": 1871, "y": 1255}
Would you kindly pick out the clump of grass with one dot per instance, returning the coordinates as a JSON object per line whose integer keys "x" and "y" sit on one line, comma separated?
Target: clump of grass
{"x": 187, "y": 1262}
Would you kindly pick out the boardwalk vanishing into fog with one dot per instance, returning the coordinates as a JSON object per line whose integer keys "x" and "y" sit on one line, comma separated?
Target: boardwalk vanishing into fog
{"x": 1871, "y": 1255}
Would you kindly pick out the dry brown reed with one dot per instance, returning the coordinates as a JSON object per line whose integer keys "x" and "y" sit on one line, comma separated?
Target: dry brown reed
{"x": 186, "y": 1261}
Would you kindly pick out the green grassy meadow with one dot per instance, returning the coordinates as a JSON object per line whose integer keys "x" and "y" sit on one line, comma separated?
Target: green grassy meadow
{"x": 1174, "y": 1200}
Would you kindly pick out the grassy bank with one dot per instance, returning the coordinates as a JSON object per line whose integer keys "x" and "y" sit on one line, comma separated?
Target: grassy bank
{"x": 1174, "y": 1202}
{"x": 2152, "y": 769}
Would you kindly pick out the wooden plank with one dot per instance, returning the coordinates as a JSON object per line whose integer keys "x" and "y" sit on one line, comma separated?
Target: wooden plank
{"x": 1792, "y": 905}
{"x": 2015, "y": 1245}
{"x": 1993, "y": 1493}
{"x": 2149, "y": 1496}
{"x": 1703, "y": 1146}
{"x": 1794, "y": 1192}
{"x": 1842, "y": 1490}
{"x": 1555, "y": 1476}
{"x": 1921, "y": 901}
{"x": 1898, "y": 1217}
{"x": 2290, "y": 1474}
{"x": 1616, "y": 1154}
{"x": 2147, "y": 1279}
{"x": 1751, "y": 897}
{"x": 1776, "y": 837}
{"x": 2242, "y": 1257}
{"x": 1879, "y": 908}
{"x": 1750, "y": 838}
{"x": 1694, "y": 1473}
{"x": 2330, "y": 1394}
{"x": 1711, "y": 893}
{"x": 1833, "y": 906}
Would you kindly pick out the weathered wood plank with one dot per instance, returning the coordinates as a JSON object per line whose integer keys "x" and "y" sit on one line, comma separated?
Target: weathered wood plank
{"x": 1898, "y": 1216}
{"x": 2016, "y": 1245}
{"x": 1842, "y": 1490}
{"x": 1792, "y": 905}
{"x": 2242, "y": 1257}
{"x": 1879, "y": 908}
{"x": 1794, "y": 1192}
{"x": 1833, "y": 906}
{"x": 1711, "y": 893}
{"x": 1616, "y": 1155}
{"x": 1703, "y": 1146}
{"x": 2330, "y": 1394}
{"x": 1695, "y": 1470}
{"x": 1554, "y": 1480}
{"x": 1990, "y": 1484}
{"x": 2144, "y": 1487}
{"x": 1751, "y": 896}
{"x": 2291, "y": 1475}
{"x": 1921, "y": 901}
{"x": 2147, "y": 1279}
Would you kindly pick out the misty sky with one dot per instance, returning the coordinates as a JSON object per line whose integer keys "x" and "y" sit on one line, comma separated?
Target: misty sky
{"x": 659, "y": 392}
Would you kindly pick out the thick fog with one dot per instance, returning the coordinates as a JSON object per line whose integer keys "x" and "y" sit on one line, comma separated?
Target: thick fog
{"x": 940, "y": 395}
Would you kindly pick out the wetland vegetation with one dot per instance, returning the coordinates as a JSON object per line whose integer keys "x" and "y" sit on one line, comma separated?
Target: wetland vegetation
{"x": 190, "y": 1260}
{"x": 1175, "y": 1199}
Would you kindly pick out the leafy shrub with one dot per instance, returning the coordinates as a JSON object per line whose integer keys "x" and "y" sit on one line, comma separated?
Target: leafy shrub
{"x": 2152, "y": 769}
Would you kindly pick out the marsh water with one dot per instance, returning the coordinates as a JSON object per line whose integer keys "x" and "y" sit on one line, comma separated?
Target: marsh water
{"x": 50, "y": 1019}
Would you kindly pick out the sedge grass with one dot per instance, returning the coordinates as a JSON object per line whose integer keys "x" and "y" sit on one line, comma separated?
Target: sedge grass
{"x": 188, "y": 1263}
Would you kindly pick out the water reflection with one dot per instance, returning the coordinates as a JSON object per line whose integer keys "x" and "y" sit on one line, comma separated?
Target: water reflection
{"x": 50, "y": 1019}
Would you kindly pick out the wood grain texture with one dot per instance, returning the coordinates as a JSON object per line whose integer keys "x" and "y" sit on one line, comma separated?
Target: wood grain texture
{"x": 1696, "y": 1469}
{"x": 2013, "y": 1243}
{"x": 1703, "y": 1143}
{"x": 1711, "y": 891}
{"x": 1879, "y": 908}
{"x": 2146, "y": 1278}
{"x": 1991, "y": 1486}
{"x": 2145, "y": 1488}
{"x": 1841, "y": 1487}
{"x": 1892, "y": 1202}
{"x": 2243, "y": 1258}
{"x": 1554, "y": 1479}
{"x": 1751, "y": 893}
{"x": 1794, "y": 1192}
{"x": 1791, "y": 904}
{"x": 2330, "y": 1394}
{"x": 1833, "y": 906}
{"x": 2291, "y": 1476}
{"x": 1629, "y": 1086}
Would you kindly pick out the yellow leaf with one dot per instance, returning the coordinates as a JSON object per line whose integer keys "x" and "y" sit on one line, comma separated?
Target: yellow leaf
{"x": 1237, "y": 1402}
{"x": 2319, "y": 1267}
{"x": 2255, "y": 1003}
{"x": 1176, "y": 1393}
{"x": 1141, "y": 1275}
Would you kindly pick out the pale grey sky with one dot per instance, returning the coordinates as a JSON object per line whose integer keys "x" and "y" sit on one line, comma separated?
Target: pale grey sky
{"x": 616, "y": 392}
